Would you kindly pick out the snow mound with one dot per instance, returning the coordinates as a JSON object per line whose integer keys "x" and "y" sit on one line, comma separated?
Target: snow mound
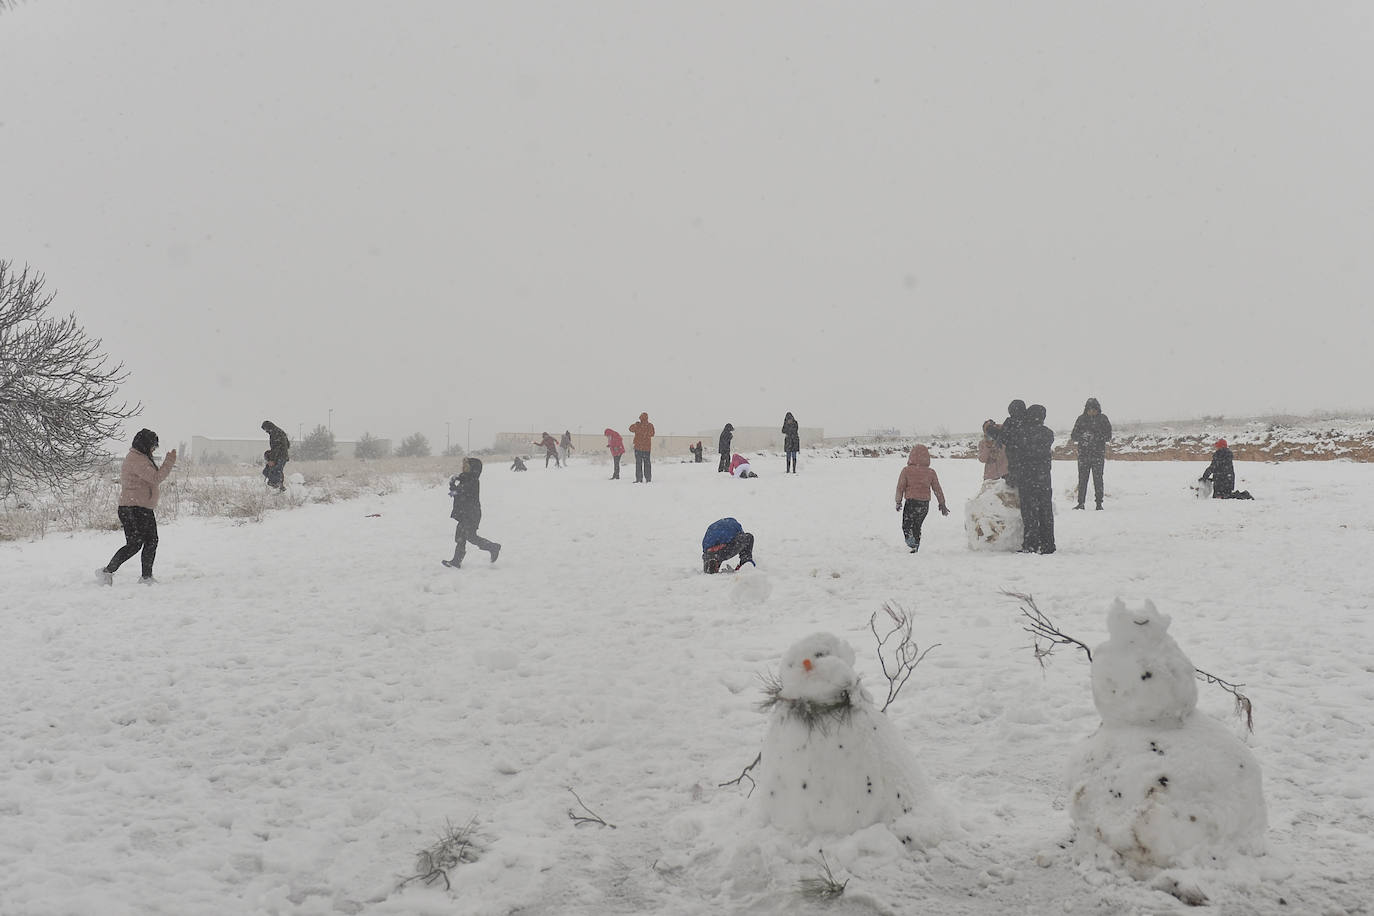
{"x": 992, "y": 518}
{"x": 750, "y": 586}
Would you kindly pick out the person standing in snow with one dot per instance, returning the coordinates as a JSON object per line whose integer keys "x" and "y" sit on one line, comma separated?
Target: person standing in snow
{"x": 723, "y": 447}
{"x": 1036, "y": 456}
{"x": 726, "y": 538}
{"x": 466, "y": 490}
{"x": 696, "y": 452}
{"x": 565, "y": 445}
{"x": 992, "y": 453}
{"x": 643, "y": 444}
{"x": 1222, "y": 472}
{"x": 550, "y": 445}
{"x": 739, "y": 467}
{"x": 139, "y": 479}
{"x": 914, "y": 485}
{"x": 276, "y": 456}
{"x": 617, "y": 448}
{"x": 1009, "y": 434}
{"x": 1092, "y": 431}
{"x": 791, "y": 441}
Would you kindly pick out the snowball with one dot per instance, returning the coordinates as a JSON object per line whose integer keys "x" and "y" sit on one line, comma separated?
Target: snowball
{"x": 992, "y": 519}
{"x": 750, "y": 586}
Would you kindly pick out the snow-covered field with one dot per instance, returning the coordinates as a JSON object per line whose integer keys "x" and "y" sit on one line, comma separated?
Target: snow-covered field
{"x": 304, "y": 703}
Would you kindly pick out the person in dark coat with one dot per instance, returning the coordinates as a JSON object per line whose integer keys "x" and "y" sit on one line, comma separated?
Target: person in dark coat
{"x": 791, "y": 441}
{"x": 518, "y": 464}
{"x": 1221, "y": 472}
{"x": 466, "y": 490}
{"x": 1092, "y": 431}
{"x": 726, "y": 435}
{"x": 276, "y": 456}
{"x": 696, "y": 452}
{"x": 1035, "y": 453}
{"x": 726, "y": 538}
{"x": 1009, "y": 434}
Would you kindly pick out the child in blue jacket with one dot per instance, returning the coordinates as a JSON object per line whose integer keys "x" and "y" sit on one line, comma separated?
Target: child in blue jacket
{"x": 725, "y": 538}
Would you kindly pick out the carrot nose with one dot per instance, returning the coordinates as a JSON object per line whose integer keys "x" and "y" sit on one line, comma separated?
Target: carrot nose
{"x": 806, "y": 663}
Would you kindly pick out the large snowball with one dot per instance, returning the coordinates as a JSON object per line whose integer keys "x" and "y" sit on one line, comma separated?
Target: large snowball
{"x": 992, "y": 519}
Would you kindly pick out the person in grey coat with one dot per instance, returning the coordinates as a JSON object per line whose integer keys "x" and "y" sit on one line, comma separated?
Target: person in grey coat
{"x": 1092, "y": 431}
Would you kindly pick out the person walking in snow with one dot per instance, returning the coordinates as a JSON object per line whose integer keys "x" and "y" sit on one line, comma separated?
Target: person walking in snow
{"x": 726, "y": 538}
{"x": 914, "y": 485}
{"x": 139, "y": 479}
{"x": 565, "y": 445}
{"x": 617, "y": 448}
{"x": 723, "y": 448}
{"x": 466, "y": 490}
{"x": 276, "y": 456}
{"x": 643, "y": 445}
{"x": 550, "y": 445}
{"x": 1009, "y": 434}
{"x": 791, "y": 441}
{"x": 1036, "y": 459}
{"x": 1092, "y": 431}
{"x": 992, "y": 453}
{"x": 739, "y": 467}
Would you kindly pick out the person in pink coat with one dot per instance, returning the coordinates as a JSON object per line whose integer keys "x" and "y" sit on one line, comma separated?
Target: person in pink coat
{"x": 139, "y": 478}
{"x": 739, "y": 467}
{"x": 617, "y": 447}
{"x": 992, "y": 453}
{"x": 914, "y": 485}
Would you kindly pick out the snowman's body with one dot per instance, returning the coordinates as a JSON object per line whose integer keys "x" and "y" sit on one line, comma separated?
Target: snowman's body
{"x": 832, "y": 763}
{"x": 992, "y": 518}
{"x": 1160, "y": 783}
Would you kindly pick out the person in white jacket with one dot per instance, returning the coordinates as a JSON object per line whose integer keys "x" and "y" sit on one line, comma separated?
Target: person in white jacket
{"x": 139, "y": 479}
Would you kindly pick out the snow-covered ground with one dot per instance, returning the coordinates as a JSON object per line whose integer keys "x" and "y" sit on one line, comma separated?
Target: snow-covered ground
{"x": 304, "y": 703}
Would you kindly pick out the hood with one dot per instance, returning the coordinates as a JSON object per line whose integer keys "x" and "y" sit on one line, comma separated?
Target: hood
{"x": 1035, "y": 414}
{"x": 474, "y": 466}
{"x": 609, "y": 432}
{"x": 919, "y": 456}
{"x": 1016, "y": 408}
{"x": 644, "y": 417}
{"x": 789, "y": 416}
{"x": 145, "y": 440}
{"x": 1091, "y": 404}
{"x": 729, "y": 428}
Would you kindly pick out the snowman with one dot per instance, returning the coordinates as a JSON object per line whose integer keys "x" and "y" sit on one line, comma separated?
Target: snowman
{"x": 832, "y": 763}
{"x": 1160, "y": 784}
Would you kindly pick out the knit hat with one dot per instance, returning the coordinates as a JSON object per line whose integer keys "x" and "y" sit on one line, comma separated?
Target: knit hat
{"x": 1221, "y": 443}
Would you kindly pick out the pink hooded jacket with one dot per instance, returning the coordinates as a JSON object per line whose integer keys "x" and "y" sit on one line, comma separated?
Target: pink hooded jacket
{"x": 918, "y": 478}
{"x": 139, "y": 479}
{"x": 994, "y": 458}
{"x": 614, "y": 442}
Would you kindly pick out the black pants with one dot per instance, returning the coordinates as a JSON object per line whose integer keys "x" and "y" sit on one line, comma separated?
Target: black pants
{"x": 914, "y": 514}
{"x": 742, "y": 545}
{"x": 1037, "y": 518}
{"x": 724, "y": 462}
{"x": 462, "y": 536}
{"x": 643, "y": 472}
{"x": 140, "y": 533}
{"x": 615, "y": 473}
{"x": 1223, "y": 487}
{"x": 1090, "y": 464}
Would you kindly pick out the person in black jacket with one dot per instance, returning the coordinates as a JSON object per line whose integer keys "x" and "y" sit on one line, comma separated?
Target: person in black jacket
{"x": 1092, "y": 431}
{"x": 1222, "y": 472}
{"x": 791, "y": 441}
{"x": 1009, "y": 434}
{"x": 1035, "y": 452}
{"x": 276, "y": 456}
{"x": 466, "y": 490}
{"x": 726, "y": 435}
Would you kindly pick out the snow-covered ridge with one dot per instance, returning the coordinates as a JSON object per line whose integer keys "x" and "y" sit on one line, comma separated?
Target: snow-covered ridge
{"x": 1272, "y": 439}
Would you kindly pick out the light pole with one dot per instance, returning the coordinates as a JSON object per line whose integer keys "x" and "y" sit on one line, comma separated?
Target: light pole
{"x": 331, "y": 419}
{"x": 469, "y": 448}
{"x": 448, "y": 437}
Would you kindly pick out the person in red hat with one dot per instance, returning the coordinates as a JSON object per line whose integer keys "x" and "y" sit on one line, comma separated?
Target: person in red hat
{"x": 1222, "y": 472}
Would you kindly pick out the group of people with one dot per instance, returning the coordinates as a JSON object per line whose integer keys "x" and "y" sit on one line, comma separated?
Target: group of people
{"x": 1018, "y": 450}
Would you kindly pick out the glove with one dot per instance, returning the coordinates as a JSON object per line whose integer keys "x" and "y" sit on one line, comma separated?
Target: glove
{"x": 899, "y": 507}
{"x": 944, "y": 510}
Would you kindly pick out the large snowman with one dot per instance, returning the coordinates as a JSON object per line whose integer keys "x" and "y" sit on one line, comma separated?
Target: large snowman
{"x": 832, "y": 763}
{"x": 1160, "y": 783}
{"x": 992, "y": 518}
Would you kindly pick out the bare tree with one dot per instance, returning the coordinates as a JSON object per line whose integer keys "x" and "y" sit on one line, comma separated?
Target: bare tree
{"x": 57, "y": 389}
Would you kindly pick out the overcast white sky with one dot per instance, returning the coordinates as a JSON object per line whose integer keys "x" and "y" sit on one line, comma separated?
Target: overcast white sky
{"x": 544, "y": 215}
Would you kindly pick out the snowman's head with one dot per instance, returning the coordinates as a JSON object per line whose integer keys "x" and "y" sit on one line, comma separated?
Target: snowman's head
{"x": 1140, "y": 676}
{"x": 819, "y": 667}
